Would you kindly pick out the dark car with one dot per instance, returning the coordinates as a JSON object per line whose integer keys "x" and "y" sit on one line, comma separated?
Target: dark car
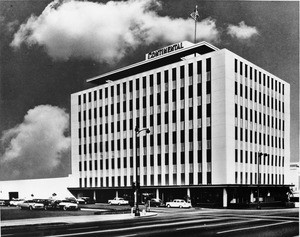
{"x": 156, "y": 202}
{"x": 4, "y": 202}
{"x": 86, "y": 200}
{"x": 51, "y": 204}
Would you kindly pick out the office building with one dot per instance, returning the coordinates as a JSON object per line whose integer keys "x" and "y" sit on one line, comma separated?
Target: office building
{"x": 212, "y": 114}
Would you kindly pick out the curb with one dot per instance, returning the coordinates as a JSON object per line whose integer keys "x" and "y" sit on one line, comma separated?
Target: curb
{"x": 68, "y": 220}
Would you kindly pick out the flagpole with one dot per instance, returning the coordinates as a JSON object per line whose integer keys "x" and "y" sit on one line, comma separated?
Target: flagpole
{"x": 195, "y": 16}
{"x": 196, "y": 11}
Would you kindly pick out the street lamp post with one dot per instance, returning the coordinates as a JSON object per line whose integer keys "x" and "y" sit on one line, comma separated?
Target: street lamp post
{"x": 137, "y": 132}
{"x": 260, "y": 154}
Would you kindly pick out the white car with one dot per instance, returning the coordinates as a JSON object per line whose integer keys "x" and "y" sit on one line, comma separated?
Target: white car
{"x": 15, "y": 202}
{"x": 68, "y": 205}
{"x": 118, "y": 201}
{"x": 31, "y": 204}
{"x": 179, "y": 203}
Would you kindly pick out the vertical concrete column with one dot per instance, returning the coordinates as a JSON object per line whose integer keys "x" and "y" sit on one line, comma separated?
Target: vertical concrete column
{"x": 224, "y": 197}
{"x": 188, "y": 192}
{"x": 117, "y": 194}
{"x": 157, "y": 193}
{"x": 94, "y": 195}
{"x": 251, "y": 196}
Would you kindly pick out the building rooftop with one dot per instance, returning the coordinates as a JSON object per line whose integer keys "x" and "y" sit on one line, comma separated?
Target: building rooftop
{"x": 157, "y": 58}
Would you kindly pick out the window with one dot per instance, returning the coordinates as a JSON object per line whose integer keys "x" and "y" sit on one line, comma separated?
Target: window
{"x": 151, "y": 80}
{"x": 199, "y": 67}
{"x": 208, "y": 87}
{"x": 208, "y": 65}
{"x": 166, "y": 76}
{"x": 190, "y": 113}
{"x": 174, "y": 74}
{"x": 199, "y": 89}
{"x": 181, "y": 71}
{"x": 190, "y": 70}
{"x": 158, "y": 78}
{"x": 190, "y": 91}
{"x": 144, "y": 82}
{"x": 235, "y": 88}
{"x": 182, "y": 93}
{"x": 241, "y": 68}
{"x": 173, "y": 95}
{"x": 137, "y": 84}
{"x": 174, "y": 116}
{"x": 241, "y": 90}
{"x": 235, "y": 65}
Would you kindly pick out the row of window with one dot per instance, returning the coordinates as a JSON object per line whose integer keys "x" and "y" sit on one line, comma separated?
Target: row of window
{"x": 151, "y": 81}
{"x": 183, "y": 159}
{"x": 272, "y": 160}
{"x": 267, "y": 178}
{"x": 262, "y": 78}
{"x": 174, "y": 140}
{"x": 259, "y": 138}
{"x": 259, "y": 117}
{"x": 106, "y": 128}
{"x": 190, "y": 114}
{"x": 116, "y": 182}
{"x": 261, "y": 98}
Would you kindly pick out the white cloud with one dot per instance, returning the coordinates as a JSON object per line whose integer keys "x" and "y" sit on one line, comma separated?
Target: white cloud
{"x": 106, "y": 32}
{"x": 242, "y": 31}
{"x": 36, "y": 146}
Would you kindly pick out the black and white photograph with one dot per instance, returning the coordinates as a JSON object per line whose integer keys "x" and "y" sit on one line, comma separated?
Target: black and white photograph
{"x": 149, "y": 118}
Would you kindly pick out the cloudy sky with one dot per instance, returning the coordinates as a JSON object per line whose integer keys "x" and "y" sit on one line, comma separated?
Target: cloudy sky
{"x": 49, "y": 48}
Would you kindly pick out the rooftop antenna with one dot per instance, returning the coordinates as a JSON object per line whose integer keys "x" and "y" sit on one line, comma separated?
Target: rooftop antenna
{"x": 195, "y": 16}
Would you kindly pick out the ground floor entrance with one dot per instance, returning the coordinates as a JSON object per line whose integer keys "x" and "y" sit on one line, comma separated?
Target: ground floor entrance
{"x": 203, "y": 196}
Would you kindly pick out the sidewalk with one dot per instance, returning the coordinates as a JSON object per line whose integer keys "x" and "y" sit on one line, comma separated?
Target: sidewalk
{"x": 71, "y": 219}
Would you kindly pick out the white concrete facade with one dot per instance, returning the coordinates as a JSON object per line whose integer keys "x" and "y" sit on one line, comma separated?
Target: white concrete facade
{"x": 209, "y": 116}
{"x": 37, "y": 188}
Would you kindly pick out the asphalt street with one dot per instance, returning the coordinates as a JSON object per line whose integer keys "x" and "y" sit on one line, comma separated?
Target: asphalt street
{"x": 177, "y": 222}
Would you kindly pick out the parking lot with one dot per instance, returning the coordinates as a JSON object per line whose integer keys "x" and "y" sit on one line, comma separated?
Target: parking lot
{"x": 11, "y": 213}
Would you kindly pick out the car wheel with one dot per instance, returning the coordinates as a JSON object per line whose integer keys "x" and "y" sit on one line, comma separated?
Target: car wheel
{"x": 168, "y": 206}
{"x": 109, "y": 203}
{"x": 30, "y": 208}
{"x": 65, "y": 208}
{"x": 180, "y": 206}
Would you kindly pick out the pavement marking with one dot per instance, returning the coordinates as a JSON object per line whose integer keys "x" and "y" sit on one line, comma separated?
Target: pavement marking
{"x": 254, "y": 227}
{"x": 84, "y": 228}
{"x": 128, "y": 235}
{"x": 139, "y": 227}
{"x": 264, "y": 217}
{"x": 221, "y": 224}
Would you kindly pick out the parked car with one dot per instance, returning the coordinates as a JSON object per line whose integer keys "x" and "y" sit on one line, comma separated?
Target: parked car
{"x": 4, "y": 202}
{"x": 118, "y": 201}
{"x": 51, "y": 204}
{"x": 16, "y": 201}
{"x": 179, "y": 203}
{"x": 156, "y": 202}
{"x": 68, "y": 205}
{"x": 31, "y": 204}
{"x": 85, "y": 200}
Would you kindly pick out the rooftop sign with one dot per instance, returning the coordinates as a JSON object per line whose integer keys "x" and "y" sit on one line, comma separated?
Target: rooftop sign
{"x": 168, "y": 49}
